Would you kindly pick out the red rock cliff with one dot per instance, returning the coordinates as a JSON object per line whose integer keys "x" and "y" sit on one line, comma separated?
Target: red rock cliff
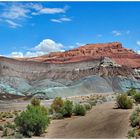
{"x": 87, "y": 52}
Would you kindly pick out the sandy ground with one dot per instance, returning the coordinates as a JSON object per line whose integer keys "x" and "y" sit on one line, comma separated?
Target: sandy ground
{"x": 103, "y": 121}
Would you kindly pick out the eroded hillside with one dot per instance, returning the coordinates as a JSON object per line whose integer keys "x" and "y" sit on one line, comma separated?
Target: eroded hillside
{"x": 104, "y": 68}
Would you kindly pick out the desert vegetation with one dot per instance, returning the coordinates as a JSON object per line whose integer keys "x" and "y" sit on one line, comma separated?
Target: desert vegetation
{"x": 66, "y": 108}
{"x": 135, "y": 123}
{"x": 135, "y": 116}
{"x": 31, "y": 122}
{"x": 124, "y": 102}
{"x": 35, "y": 119}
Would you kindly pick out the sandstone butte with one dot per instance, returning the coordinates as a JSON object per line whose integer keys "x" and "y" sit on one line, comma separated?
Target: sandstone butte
{"x": 90, "y": 52}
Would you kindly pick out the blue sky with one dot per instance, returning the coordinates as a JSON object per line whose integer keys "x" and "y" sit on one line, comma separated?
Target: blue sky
{"x": 37, "y": 28}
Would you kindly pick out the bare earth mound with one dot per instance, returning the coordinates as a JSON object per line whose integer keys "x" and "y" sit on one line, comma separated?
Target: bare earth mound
{"x": 103, "y": 121}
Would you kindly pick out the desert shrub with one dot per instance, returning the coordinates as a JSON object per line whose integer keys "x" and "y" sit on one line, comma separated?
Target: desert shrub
{"x": 10, "y": 115}
{"x": 131, "y": 91}
{"x": 4, "y": 114}
{"x": 5, "y": 132}
{"x": 35, "y": 101}
{"x": 67, "y": 108}
{"x": 87, "y": 106}
{"x": 135, "y": 118}
{"x": 57, "y": 104}
{"x": 1, "y": 128}
{"x": 124, "y": 102}
{"x": 9, "y": 129}
{"x": 57, "y": 116}
{"x": 132, "y": 134}
{"x": 50, "y": 110}
{"x": 33, "y": 121}
{"x": 137, "y": 97}
{"x": 79, "y": 110}
{"x": 92, "y": 103}
{"x": 10, "y": 125}
{"x": 18, "y": 136}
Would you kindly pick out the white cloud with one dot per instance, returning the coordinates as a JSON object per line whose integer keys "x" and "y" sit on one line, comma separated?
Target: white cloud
{"x": 49, "y": 11}
{"x": 116, "y": 33}
{"x": 33, "y": 54}
{"x": 15, "y": 12}
{"x": 45, "y": 10}
{"x": 60, "y": 20}
{"x": 138, "y": 42}
{"x": 19, "y": 11}
{"x": 120, "y": 33}
{"x": 16, "y": 54}
{"x": 48, "y": 45}
{"x": 44, "y": 47}
{"x": 56, "y": 20}
{"x": 12, "y": 24}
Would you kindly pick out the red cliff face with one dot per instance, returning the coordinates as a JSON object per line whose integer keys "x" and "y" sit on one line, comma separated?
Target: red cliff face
{"x": 87, "y": 52}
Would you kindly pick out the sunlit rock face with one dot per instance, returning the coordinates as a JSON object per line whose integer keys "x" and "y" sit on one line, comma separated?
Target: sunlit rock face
{"x": 93, "y": 68}
{"x": 113, "y": 50}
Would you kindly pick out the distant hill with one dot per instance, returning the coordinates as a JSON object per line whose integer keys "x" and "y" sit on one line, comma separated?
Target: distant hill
{"x": 93, "y": 68}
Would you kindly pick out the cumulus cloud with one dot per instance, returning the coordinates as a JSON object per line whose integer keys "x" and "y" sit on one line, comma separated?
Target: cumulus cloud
{"x": 48, "y": 45}
{"x": 60, "y": 20}
{"x": 44, "y": 47}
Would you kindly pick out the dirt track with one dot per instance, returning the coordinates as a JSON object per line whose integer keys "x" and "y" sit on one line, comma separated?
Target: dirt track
{"x": 103, "y": 121}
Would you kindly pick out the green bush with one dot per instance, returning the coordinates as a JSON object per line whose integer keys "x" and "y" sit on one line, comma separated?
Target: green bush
{"x": 79, "y": 110}
{"x": 67, "y": 108}
{"x": 57, "y": 104}
{"x": 132, "y": 134}
{"x": 35, "y": 101}
{"x": 33, "y": 121}
{"x": 131, "y": 91}
{"x": 124, "y": 102}
{"x": 135, "y": 118}
{"x": 137, "y": 97}
{"x": 87, "y": 106}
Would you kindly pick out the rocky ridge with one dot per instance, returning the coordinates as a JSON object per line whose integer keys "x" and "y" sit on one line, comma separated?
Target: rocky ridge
{"x": 93, "y": 68}
{"x": 113, "y": 50}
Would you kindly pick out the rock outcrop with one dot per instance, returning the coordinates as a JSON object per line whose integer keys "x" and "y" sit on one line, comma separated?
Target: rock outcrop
{"x": 105, "y": 68}
{"x": 88, "y": 52}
